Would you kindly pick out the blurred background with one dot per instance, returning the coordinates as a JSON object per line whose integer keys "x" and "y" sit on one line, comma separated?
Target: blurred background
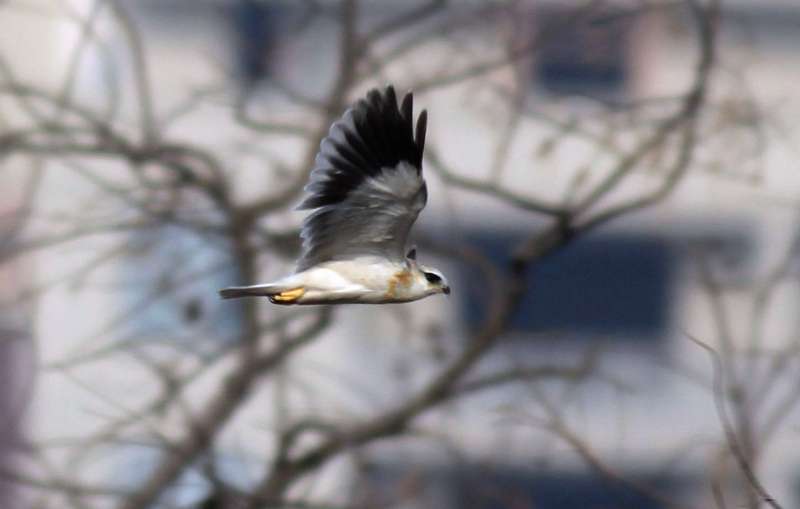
{"x": 613, "y": 195}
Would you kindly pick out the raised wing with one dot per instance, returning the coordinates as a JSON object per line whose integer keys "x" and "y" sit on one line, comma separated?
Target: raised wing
{"x": 366, "y": 188}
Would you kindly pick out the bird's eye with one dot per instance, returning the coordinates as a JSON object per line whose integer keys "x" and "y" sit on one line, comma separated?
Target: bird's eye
{"x": 432, "y": 278}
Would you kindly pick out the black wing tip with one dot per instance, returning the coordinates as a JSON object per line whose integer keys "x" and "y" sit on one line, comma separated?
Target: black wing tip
{"x": 419, "y": 137}
{"x": 398, "y": 117}
{"x": 377, "y": 132}
{"x": 407, "y": 108}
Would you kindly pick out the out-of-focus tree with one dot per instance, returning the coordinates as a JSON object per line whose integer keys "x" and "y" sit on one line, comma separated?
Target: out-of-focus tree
{"x": 162, "y": 200}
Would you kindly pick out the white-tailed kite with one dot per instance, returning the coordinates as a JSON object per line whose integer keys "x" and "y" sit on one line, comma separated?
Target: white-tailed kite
{"x": 364, "y": 193}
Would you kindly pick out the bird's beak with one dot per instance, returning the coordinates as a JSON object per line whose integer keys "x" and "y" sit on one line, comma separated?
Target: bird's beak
{"x": 446, "y": 290}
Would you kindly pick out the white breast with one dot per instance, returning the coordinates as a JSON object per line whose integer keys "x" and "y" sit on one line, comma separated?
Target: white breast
{"x": 366, "y": 279}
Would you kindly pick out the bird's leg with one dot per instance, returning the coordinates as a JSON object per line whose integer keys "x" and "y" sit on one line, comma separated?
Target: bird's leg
{"x": 288, "y": 296}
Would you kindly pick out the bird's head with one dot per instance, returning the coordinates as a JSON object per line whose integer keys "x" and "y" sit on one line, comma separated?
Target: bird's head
{"x": 434, "y": 280}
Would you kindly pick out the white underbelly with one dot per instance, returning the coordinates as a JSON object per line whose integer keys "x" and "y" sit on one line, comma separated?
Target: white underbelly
{"x": 336, "y": 275}
{"x": 354, "y": 281}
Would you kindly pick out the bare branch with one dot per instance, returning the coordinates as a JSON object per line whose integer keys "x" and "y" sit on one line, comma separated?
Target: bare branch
{"x": 730, "y": 435}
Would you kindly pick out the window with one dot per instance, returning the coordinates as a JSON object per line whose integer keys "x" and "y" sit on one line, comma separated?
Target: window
{"x": 582, "y": 55}
{"x": 248, "y": 30}
{"x": 255, "y": 26}
{"x": 617, "y": 286}
{"x": 511, "y": 487}
{"x": 171, "y": 280}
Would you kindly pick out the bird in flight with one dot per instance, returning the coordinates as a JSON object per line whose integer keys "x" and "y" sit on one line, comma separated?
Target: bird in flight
{"x": 364, "y": 193}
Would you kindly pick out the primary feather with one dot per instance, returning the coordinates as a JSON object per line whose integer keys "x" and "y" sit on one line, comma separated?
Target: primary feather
{"x": 366, "y": 188}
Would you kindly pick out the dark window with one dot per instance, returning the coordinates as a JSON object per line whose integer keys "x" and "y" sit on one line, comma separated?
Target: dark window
{"x": 172, "y": 277}
{"x": 600, "y": 286}
{"x": 508, "y": 487}
{"x": 254, "y": 28}
{"x": 583, "y": 55}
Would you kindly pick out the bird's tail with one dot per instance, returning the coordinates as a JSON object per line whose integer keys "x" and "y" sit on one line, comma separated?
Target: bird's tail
{"x": 236, "y": 292}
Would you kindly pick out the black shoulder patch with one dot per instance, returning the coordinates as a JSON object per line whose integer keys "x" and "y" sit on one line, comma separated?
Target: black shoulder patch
{"x": 372, "y": 135}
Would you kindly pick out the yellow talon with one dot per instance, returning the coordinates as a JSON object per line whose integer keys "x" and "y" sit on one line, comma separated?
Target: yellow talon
{"x": 288, "y": 296}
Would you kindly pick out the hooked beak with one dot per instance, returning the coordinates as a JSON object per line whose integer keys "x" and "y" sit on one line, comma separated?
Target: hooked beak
{"x": 446, "y": 290}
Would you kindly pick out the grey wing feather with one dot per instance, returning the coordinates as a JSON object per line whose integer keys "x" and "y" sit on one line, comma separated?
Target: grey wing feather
{"x": 366, "y": 189}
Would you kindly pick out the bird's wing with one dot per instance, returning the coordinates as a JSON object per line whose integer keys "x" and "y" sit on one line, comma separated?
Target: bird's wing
{"x": 366, "y": 188}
